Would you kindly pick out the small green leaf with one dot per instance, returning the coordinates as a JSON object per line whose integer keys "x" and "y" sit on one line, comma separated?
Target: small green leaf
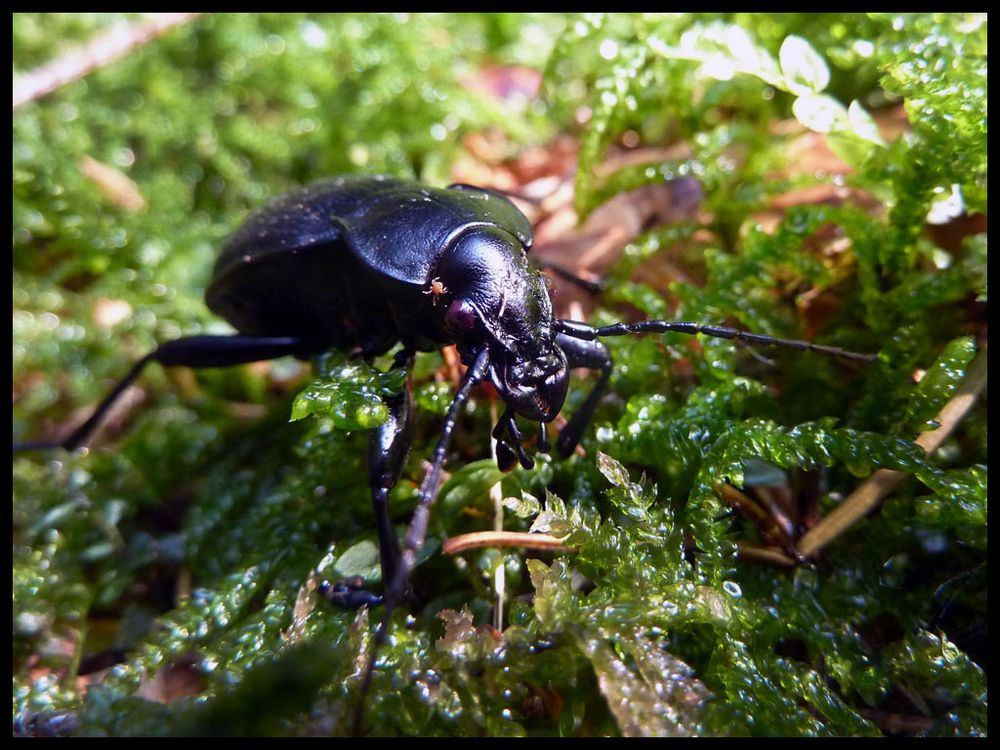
{"x": 360, "y": 560}
{"x": 654, "y": 694}
{"x": 554, "y": 519}
{"x": 613, "y": 471}
{"x": 471, "y": 484}
{"x": 862, "y": 124}
{"x": 553, "y": 595}
{"x": 349, "y": 392}
{"x": 526, "y": 506}
{"x": 940, "y": 382}
{"x": 819, "y": 112}
{"x": 804, "y": 69}
{"x": 850, "y": 149}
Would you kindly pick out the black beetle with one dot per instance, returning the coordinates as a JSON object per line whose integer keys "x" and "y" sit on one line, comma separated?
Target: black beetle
{"x": 363, "y": 264}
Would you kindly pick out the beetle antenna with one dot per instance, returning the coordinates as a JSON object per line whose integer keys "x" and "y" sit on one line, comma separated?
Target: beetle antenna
{"x": 395, "y": 589}
{"x": 586, "y": 332}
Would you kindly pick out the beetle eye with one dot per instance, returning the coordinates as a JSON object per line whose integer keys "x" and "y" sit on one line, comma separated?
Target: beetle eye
{"x": 460, "y": 317}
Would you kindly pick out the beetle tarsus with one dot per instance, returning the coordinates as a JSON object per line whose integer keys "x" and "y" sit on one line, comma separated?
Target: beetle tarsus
{"x": 349, "y": 594}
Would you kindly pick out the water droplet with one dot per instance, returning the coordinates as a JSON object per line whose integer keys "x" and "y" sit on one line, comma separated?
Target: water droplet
{"x": 275, "y": 44}
{"x": 313, "y": 35}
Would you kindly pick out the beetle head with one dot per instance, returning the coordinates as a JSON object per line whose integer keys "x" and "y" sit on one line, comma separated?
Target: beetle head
{"x": 496, "y": 299}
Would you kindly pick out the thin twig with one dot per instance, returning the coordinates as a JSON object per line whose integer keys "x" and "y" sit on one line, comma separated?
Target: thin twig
{"x": 103, "y": 49}
{"x": 772, "y": 555}
{"x": 774, "y": 527}
{"x": 478, "y": 539}
{"x": 880, "y": 484}
{"x": 496, "y": 495}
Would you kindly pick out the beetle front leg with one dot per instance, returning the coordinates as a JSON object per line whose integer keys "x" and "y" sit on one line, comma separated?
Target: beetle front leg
{"x": 395, "y": 587}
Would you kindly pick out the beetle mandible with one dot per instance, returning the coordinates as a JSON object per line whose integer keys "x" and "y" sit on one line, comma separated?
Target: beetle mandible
{"x": 348, "y": 264}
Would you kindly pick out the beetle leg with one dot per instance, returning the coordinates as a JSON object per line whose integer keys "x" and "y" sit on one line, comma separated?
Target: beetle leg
{"x": 594, "y": 285}
{"x": 509, "y": 436}
{"x": 193, "y": 351}
{"x": 350, "y": 594}
{"x": 395, "y": 588}
{"x": 506, "y": 458}
{"x": 428, "y": 490}
{"x": 388, "y": 448}
{"x": 580, "y": 353}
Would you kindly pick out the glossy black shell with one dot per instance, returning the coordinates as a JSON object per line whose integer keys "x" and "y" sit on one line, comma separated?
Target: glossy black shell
{"x": 346, "y": 263}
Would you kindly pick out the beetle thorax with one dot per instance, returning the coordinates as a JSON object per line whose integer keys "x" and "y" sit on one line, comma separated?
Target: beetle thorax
{"x": 497, "y": 300}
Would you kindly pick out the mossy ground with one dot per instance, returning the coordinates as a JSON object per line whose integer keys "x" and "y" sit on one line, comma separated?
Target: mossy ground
{"x": 162, "y": 579}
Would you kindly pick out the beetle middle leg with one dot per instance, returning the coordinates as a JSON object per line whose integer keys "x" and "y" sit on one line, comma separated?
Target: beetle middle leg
{"x": 395, "y": 587}
{"x": 388, "y": 448}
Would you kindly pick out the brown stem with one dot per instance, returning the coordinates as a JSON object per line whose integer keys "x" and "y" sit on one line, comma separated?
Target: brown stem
{"x": 770, "y": 555}
{"x": 873, "y": 490}
{"x": 478, "y": 539}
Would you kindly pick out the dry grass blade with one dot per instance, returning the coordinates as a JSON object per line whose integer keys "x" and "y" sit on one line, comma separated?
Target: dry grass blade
{"x": 770, "y": 555}
{"x": 479, "y": 539}
{"x": 102, "y": 50}
{"x": 874, "y": 489}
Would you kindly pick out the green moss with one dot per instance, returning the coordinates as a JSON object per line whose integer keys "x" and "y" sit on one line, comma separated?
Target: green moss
{"x": 185, "y": 545}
